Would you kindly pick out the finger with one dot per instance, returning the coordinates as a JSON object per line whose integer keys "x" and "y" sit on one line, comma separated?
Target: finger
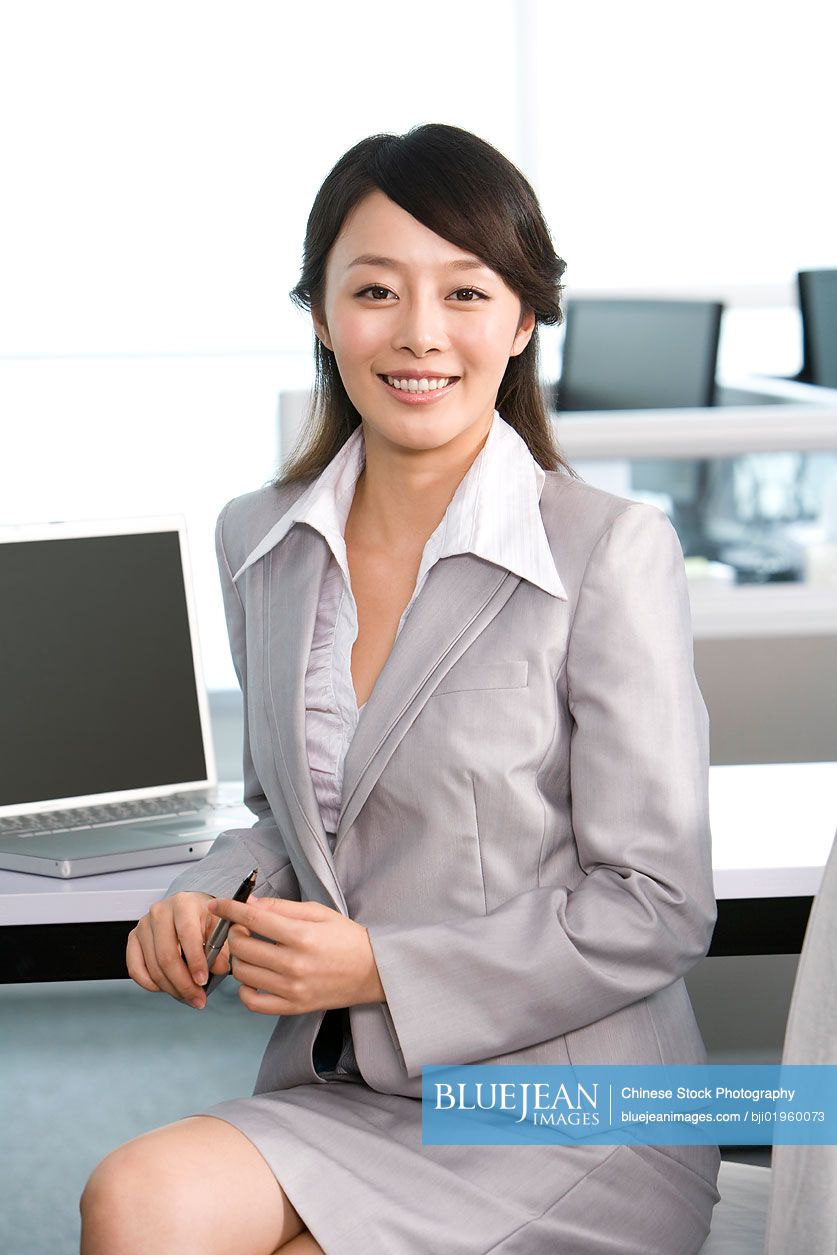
{"x": 262, "y": 953}
{"x": 245, "y": 917}
{"x": 135, "y": 964}
{"x": 270, "y": 922}
{"x": 267, "y": 1004}
{"x": 145, "y": 933}
{"x": 191, "y": 924}
{"x": 173, "y": 926}
{"x": 259, "y": 977}
{"x": 220, "y": 965}
{"x": 292, "y": 909}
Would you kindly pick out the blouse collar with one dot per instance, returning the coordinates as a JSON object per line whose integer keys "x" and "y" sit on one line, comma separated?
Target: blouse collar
{"x": 494, "y": 513}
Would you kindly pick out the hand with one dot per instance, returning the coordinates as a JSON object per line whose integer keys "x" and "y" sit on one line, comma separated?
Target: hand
{"x": 314, "y": 958}
{"x": 153, "y": 953}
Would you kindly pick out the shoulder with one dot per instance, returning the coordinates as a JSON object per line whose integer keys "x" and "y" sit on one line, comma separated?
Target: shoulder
{"x": 244, "y": 520}
{"x": 578, "y": 516}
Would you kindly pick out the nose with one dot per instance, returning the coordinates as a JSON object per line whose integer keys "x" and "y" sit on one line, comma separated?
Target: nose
{"x": 421, "y": 325}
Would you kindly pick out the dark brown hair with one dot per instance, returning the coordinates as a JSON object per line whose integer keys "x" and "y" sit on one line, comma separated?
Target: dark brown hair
{"x": 467, "y": 192}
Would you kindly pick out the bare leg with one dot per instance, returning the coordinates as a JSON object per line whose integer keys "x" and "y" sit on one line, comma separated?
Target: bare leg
{"x": 194, "y": 1187}
{"x": 302, "y": 1244}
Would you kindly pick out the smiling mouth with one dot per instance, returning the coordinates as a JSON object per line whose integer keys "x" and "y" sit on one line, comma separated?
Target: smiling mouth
{"x": 419, "y": 387}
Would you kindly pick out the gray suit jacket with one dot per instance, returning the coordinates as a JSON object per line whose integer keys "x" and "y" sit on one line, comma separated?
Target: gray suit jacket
{"x": 524, "y": 828}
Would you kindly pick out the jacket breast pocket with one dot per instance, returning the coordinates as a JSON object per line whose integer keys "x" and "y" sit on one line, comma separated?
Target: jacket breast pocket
{"x": 466, "y": 676}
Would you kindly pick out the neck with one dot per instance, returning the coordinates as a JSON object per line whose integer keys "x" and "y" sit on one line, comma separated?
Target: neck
{"x": 402, "y": 494}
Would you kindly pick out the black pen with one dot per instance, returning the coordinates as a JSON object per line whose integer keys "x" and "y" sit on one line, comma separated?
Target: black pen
{"x": 216, "y": 941}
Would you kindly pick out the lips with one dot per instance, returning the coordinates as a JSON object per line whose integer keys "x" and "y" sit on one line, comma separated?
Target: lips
{"x": 408, "y": 396}
{"x": 418, "y": 379}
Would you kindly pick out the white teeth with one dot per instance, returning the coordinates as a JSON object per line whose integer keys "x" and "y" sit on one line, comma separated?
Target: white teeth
{"x": 417, "y": 385}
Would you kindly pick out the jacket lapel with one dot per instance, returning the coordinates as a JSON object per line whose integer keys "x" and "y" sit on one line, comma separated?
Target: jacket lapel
{"x": 460, "y": 597}
{"x": 293, "y": 573}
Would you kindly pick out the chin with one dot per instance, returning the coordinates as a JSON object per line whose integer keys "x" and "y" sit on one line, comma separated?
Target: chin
{"x": 421, "y": 431}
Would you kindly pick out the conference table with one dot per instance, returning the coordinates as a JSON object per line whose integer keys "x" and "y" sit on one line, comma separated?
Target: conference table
{"x": 772, "y": 825}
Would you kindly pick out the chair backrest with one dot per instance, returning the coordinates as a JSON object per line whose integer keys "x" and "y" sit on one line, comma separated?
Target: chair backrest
{"x": 802, "y": 1214}
{"x": 818, "y": 307}
{"x": 635, "y": 354}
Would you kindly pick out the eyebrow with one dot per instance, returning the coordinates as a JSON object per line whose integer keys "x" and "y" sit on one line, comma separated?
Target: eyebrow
{"x": 371, "y": 259}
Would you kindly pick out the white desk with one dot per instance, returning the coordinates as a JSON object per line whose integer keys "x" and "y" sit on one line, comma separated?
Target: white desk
{"x": 29, "y": 899}
{"x": 773, "y": 825}
{"x": 772, "y": 830}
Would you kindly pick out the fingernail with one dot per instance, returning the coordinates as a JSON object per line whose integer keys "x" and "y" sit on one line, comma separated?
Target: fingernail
{"x": 197, "y": 1003}
{"x": 200, "y": 978}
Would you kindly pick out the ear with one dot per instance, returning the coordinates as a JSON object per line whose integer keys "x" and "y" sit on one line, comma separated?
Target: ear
{"x": 524, "y": 331}
{"x": 321, "y": 328}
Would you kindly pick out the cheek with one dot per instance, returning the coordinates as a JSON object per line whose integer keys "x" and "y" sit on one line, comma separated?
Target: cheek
{"x": 356, "y": 339}
{"x": 486, "y": 339}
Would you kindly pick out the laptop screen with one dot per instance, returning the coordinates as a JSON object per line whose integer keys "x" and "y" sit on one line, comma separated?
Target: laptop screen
{"x": 101, "y": 690}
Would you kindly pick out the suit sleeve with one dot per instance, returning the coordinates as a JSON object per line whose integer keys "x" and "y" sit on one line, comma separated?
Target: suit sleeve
{"x": 238, "y": 850}
{"x": 556, "y": 958}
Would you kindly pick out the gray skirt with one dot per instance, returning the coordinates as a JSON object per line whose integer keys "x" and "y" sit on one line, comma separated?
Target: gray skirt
{"x": 352, "y": 1163}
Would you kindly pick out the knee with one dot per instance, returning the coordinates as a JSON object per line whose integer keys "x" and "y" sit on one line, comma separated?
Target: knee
{"x": 114, "y": 1203}
{"x": 105, "y": 1179}
{"x": 109, "y": 1187}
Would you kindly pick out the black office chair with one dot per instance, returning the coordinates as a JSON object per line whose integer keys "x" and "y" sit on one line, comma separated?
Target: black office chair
{"x": 636, "y": 354}
{"x": 818, "y": 307}
{"x": 817, "y": 296}
{"x": 817, "y": 292}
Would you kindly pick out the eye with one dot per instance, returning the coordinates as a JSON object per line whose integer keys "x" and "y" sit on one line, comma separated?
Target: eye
{"x": 373, "y": 288}
{"x": 377, "y": 288}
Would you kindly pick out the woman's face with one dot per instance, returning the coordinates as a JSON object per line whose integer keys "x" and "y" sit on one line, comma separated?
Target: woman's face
{"x": 416, "y": 313}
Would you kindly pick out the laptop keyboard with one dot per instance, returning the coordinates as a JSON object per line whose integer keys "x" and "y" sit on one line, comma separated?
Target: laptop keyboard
{"x": 100, "y": 816}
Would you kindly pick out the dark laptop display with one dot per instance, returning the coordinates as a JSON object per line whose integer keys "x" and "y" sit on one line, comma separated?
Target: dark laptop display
{"x": 97, "y": 673}
{"x": 104, "y": 715}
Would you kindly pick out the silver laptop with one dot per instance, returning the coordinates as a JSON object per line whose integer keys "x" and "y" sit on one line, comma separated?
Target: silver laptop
{"x": 106, "y": 753}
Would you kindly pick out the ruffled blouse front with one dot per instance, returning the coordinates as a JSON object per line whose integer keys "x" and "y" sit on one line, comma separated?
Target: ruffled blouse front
{"x": 331, "y": 709}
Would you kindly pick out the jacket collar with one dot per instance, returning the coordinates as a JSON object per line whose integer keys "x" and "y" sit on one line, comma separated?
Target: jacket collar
{"x": 494, "y": 513}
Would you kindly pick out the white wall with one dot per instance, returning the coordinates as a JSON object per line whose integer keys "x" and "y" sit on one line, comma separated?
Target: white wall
{"x": 160, "y": 160}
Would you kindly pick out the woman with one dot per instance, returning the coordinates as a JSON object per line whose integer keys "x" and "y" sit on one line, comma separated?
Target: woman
{"x": 478, "y": 755}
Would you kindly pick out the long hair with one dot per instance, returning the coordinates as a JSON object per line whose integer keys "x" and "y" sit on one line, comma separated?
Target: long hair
{"x": 467, "y": 192}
